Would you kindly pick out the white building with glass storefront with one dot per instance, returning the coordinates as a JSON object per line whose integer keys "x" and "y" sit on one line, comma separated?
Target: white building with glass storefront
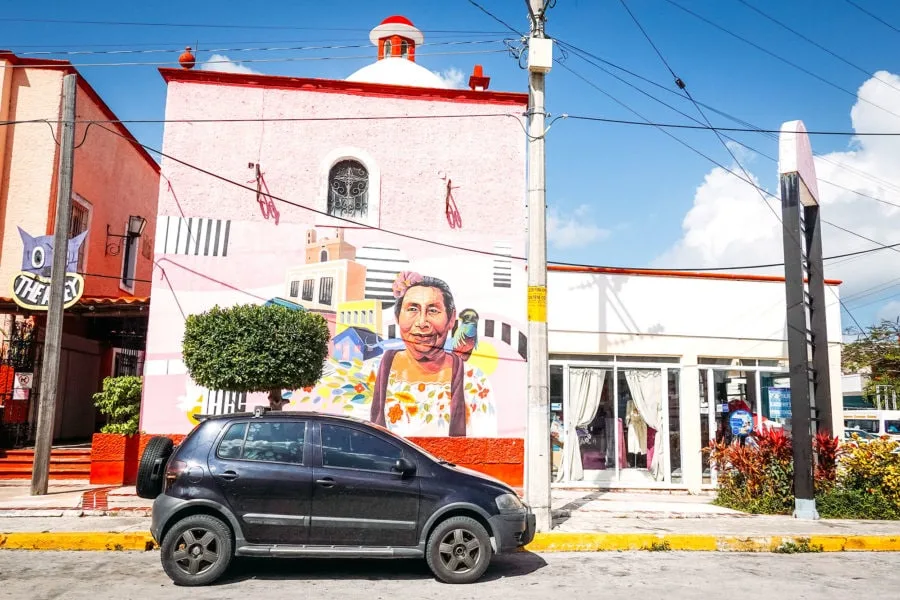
{"x": 646, "y": 367}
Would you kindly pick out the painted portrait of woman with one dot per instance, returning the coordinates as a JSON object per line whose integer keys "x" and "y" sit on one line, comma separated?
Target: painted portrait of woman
{"x": 424, "y": 387}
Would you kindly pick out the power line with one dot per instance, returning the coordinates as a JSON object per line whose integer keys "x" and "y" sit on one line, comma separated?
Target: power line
{"x": 212, "y": 26}
{"x": 461, "y": 248}
{"x": 871, "y": 14}
{"x": 51, "y": 65}
{"x": 778, "y": 57}
{"x": 496, "y": 18}
{"x": 815, "y": 43}
{"x": 240, "y": 49}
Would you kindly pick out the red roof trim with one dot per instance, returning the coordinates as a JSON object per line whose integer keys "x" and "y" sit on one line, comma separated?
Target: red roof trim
{"x": 66, "y": 66}
{"x": 339, "y": 86}
{"x": 684, "y": 274}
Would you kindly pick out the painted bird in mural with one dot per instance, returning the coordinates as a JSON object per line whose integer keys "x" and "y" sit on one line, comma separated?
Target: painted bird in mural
{"x": 465, "y": 340}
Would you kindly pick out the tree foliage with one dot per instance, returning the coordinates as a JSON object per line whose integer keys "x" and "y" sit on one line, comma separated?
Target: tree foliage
{"x": 120, "y": 402}
{"x": 877, "y": 351}
{"x": 253, "y": 348}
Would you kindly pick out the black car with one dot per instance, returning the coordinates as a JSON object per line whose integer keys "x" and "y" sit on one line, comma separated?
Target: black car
{"x": 299, "y": 484}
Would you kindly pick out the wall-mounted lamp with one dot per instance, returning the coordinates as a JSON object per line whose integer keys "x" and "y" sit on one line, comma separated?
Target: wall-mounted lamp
{"x": 136, "y": 226}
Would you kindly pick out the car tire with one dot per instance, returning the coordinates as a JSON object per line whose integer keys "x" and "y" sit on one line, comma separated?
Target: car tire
{"x": 458, "y": 550}
{"x": 149, "y": 483}
{"x": 196, "y": 550}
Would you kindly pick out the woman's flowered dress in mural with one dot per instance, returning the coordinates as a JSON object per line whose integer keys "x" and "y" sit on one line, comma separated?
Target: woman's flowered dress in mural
{"x": 411, "y": 408}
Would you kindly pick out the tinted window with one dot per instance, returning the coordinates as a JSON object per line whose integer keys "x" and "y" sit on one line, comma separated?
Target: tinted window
{"x": 275, "y": 442}
{"x": 231, "y": 444}
{"x": 892, "y": 427}
{"x": 869, "y": 425}
{"x": 353, "y": 449}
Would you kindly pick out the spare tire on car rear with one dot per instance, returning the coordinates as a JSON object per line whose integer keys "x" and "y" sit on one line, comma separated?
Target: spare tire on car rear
{"x": 150, "y": 470}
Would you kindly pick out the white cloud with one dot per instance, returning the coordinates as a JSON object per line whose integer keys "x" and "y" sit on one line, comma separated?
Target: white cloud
{"x": 574, "y": 229}
{"x": 729, "y": 224}
{"x": 452, "y": 77}
{"x": 220, "y": 62}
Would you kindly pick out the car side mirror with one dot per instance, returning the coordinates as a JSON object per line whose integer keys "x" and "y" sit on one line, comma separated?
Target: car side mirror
{"x": 404, "y": 466}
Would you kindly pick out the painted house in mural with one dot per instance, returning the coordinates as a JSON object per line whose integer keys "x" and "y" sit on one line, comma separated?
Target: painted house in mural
{"x": 428, "y": 339}
{"x": 115, "y": 190}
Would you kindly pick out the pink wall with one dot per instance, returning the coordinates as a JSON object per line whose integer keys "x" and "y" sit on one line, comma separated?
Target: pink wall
{"x": 409, "y": 162}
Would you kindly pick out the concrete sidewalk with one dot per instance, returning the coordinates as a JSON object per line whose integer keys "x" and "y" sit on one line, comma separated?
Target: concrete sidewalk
{"x": 594, "y": 520}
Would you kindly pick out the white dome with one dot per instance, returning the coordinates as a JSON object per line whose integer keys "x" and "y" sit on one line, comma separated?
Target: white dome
{"x": 398, "y": 71}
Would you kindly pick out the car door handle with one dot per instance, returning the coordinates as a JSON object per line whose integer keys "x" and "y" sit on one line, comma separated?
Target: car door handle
{"x": 326, "y": 482}
{"x": 229, "y": 475}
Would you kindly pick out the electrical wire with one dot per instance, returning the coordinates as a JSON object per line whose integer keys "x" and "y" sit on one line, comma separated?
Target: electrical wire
{"x": 495, "y": 17}
{"x": 779, "y": 57}
{"x": 51, "y": 65}
{"x": 862, "y": 70}
{"x": 466, "y": 249}
{"x": 762, "y": 193}
{"x": 873, "y": 15}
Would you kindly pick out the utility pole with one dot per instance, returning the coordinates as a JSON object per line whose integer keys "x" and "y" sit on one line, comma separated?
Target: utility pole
{"x": 53, "y": 337}
{"x": 537, "y": 434}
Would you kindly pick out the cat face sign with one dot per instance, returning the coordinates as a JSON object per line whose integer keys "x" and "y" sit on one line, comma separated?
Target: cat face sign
{"x": 37, "y": 257}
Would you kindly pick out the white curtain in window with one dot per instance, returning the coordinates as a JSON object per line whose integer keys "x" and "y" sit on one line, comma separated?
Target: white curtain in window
{"x": 585, "y": 388}
{"x": 646, "y": 393}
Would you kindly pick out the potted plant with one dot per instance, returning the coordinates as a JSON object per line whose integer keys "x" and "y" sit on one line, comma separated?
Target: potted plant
{"x": 114, "y": 451}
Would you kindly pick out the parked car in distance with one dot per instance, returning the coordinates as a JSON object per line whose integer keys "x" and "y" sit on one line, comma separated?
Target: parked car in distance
{"x": 863, "y": 435}
{"x": 301, "y": 484}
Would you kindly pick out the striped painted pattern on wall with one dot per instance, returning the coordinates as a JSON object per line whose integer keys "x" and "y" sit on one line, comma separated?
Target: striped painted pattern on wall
{"x": 502, "y": 266}
{"x": 192, "y": 236}
{"x": 382, "y": 265}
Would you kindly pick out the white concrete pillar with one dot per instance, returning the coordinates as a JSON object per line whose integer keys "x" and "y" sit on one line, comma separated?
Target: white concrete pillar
{"x": 689, "y": 402}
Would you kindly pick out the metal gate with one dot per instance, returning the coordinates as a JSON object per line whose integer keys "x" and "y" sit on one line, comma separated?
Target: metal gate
{"x": 18, "y": 358}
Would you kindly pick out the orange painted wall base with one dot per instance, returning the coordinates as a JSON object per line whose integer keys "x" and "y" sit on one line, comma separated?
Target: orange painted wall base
{"x": 115, "y": 458}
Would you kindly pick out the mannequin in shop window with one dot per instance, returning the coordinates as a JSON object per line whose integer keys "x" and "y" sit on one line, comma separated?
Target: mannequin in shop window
{"x": 637, "y": 437}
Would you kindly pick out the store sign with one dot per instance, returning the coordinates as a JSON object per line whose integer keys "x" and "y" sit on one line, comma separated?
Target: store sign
{"x": 741, "y": 422}
{"x": 31, "y": 286}
{"x": 33, "y": 292}
{"x": 779, "y": 403}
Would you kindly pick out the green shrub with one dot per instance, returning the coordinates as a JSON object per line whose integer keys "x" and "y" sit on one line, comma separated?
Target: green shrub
{"x": 842, "y": 503}
{"x": 120, "y": 402}
{"x": 253, "y": 348}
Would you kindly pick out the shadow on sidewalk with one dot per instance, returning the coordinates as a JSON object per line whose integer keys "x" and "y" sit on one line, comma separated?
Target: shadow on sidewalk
{"x": 268, "y": 569}
{"x": 564, "y": 513}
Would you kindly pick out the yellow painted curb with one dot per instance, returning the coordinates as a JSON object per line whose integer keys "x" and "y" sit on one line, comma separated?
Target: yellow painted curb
{"x": 543, "y": 542}
{"x": 611, "y": 542}
{"x": 77, "y": 540}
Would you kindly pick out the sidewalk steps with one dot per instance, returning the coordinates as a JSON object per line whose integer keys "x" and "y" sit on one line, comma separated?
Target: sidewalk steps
{"x": 65, "y": 463}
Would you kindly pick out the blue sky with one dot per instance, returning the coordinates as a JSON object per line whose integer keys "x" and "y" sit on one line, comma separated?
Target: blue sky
{"x": 620, "y": 195}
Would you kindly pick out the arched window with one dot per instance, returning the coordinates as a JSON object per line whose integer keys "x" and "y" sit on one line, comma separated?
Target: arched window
{"x": 387, "y": 47}
{"x": 404, "y": 49}
{"x": 323, "y": 256}
{"x": 348, "y": 190}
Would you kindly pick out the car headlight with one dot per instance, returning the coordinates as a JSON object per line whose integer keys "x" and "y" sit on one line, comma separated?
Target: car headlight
{"x": 508, "y": 502}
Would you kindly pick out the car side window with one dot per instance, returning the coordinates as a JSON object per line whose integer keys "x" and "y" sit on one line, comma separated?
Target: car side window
{"x": 276, "y": 441}
{"x": 233, "y": 442}
{"x": 348, "y": 448}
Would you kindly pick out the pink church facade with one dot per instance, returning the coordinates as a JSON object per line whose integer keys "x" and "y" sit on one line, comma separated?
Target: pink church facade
{"x": 386, "y": 189}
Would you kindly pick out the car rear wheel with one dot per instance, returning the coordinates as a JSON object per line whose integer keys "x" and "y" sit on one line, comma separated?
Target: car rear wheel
{"x": 153, "y": 461}
{"x": 196, "y": 550}
{"x": 459, "y": 550}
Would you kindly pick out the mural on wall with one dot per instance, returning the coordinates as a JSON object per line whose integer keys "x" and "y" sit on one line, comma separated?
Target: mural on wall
{"x": 428, "y": 346}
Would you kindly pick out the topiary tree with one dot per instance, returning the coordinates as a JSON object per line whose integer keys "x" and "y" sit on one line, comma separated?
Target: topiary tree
{"x": 253, "y": 348}
{"x": 120, "y": 402}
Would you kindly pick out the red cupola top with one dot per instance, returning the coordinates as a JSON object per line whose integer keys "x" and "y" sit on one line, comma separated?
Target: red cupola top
{"x": 396, "y": 37}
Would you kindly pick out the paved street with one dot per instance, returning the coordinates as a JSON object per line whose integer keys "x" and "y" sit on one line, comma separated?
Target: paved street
{"x": 650, "y": 575}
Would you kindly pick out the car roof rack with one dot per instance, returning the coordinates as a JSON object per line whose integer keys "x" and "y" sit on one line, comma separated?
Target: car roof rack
{"x": 260, "y": 411}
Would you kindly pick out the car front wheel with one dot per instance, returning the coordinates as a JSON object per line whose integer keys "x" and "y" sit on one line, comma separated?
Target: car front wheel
{"x": 459, "y": 550}
{"x": 196, "y": 550}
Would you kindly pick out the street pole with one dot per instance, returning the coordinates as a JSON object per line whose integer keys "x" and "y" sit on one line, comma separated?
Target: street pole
{"x": 53, "y": 337}
{"x": 537, "y": 435}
